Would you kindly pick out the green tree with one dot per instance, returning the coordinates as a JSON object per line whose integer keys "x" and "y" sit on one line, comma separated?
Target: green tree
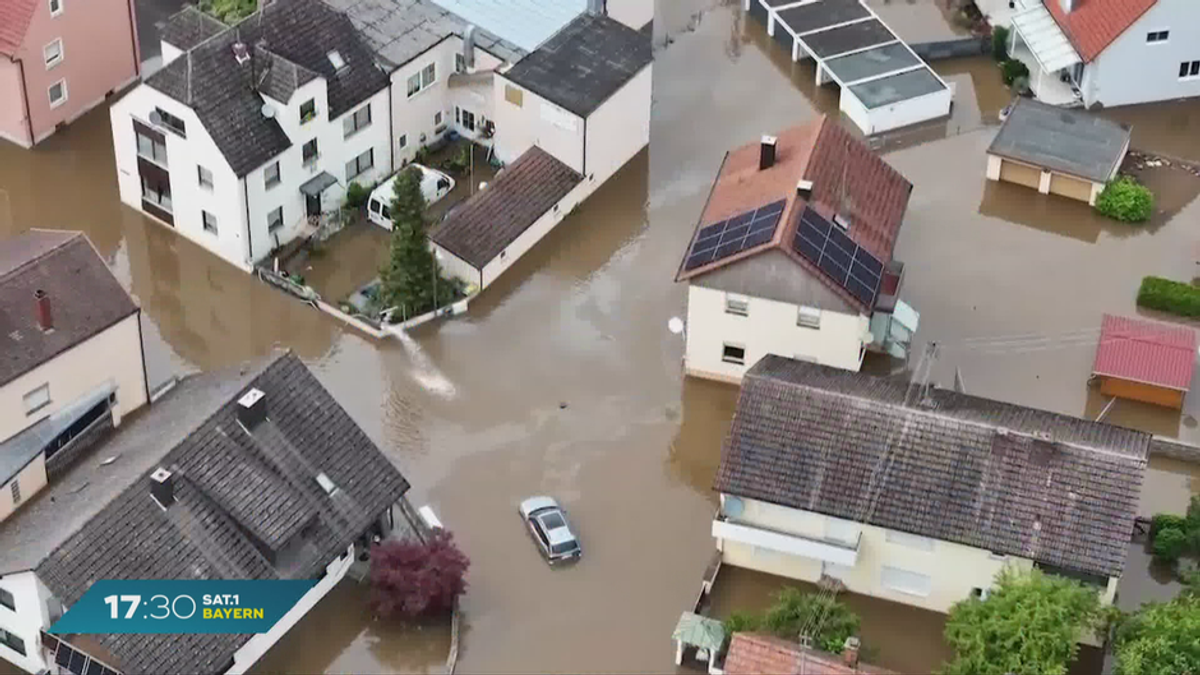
{"x": 411, "y": 274}
{"x": 1030, "y": 624}
{"x": 229, "y": 12}
{"x": 1161, "y": 639}
{"x": 1169, "y": 544}
{"x": 795, "y": 611}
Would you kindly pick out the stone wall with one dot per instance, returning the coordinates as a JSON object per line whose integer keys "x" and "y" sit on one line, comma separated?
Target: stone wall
{"x": 948, "y": 49}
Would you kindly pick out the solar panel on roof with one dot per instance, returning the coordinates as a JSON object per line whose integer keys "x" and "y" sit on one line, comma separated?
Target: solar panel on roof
{"x": 729, "y": 237}
{"x": 829, "y": 248}
{"x": 78, "y": 662}
{"x": 95, "y": 668}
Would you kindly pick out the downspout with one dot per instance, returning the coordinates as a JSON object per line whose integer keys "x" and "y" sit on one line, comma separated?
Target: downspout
{"x": 585, "y": 148}
{"x": 391, "y": 130}
{"x": 24, "y": 98}
{"x": 133, "y": 38}
{"x": 142, "y": 346}
{"x": 249, "y": 237}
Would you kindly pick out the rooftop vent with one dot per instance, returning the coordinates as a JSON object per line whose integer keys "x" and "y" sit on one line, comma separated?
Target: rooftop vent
{"x": 766, "y": 155}
{"x": 325, "y": 483}
{"x": 468, "y": 49}
{"x": 595, "y": 7}
{"x": 162, "y": 487}
{"x": 841, "y": 221}
{"x": 41, "y": 304}
{"x": 804, "y": 189}
{"x": 252, "y": 408}
{"x": 241, "y": 53}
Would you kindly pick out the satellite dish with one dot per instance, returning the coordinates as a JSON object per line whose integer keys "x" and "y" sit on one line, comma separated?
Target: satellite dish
{"x": 268, "y": 111}
{"x": 482, "y": 184}
{"x": 675, "y": 325}
{"x": 155, "y": 117}
{"x": 734, "y": 506}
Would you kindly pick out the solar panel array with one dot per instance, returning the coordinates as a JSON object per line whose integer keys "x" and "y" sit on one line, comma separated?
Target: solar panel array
{"x": 78, "y": 662}
{"x": 745, "y": 230}
{"x": 847, "y": 263}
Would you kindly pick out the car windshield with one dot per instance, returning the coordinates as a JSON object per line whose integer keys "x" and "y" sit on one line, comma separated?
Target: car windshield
{"x": 553, "y": 521}
{"x": 565, "y": 547}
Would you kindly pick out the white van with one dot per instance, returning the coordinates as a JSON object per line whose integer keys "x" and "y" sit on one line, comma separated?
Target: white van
{"x": 434, "y": 186}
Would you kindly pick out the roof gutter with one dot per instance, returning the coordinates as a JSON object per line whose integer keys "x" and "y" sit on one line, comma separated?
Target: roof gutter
{"x": 249, "y": 236}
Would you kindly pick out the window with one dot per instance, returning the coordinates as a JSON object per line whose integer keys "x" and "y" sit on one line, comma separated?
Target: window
{"x": 734, "y": 354}
{"x": 275, "y": 219}
{"x": 56, "y": 7}
{"x": 460, "y": 63}
{"x": 57, "y": 93}
{"x": 513, "y": 95}
{"x": 466, "y": 118}
{"x": 1189, "y": 69}
{"x": 437, "y": 118}
{"x": 808, "y": 317}
{"x": 158, "y": 194}
{"x": 737, "y": 304}
{"x": 151, "y": 149}
{"x": 361, "y": 119}
{"x": 6, "y": 598}
{"x": 53, "y": 53}
{"x": 839, "y": 572}
{"x": 910, "y": 540}
{"x": 205, "y": 177}
{"x": 13, "y": 642}
{"x": 1158, "y": 36}
{"x": 308, "y": 110}
{"x": 336, "y": 60}
{"x": 37, "y": 399}
{"x": 360, "y": 164}
{"x": 16, "y": 491}
{"x": 419, "y": 81}
{"x": 271, "y": 175}
{"x": 904, "y": 581}
{"x": 310, "y": 151}
{"x": 402, "y": 142}
{"x": 171, "y": 122}
{"x": 210, "y": 221}
{"x": 414, "y": 85}
{"x": 980, "y": 593}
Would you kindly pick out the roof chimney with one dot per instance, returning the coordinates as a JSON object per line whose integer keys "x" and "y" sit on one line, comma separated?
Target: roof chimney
{"x": 42, "y": 309}
{"x": 804, "y": 189}
{"x": 766, "y": 155}
{"x": 241, "y": 53}
{"x": 850, "y": 651}
{"x": 252, "y": 409}
{"x": 162, "y": 487}
{"x": 1067, "y": 5}
{"x": 595, "y": 7}
{"x": 469, "y": 46}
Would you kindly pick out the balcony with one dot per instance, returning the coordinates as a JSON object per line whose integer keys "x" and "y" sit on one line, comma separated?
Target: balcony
{"x": 826, "y": 550}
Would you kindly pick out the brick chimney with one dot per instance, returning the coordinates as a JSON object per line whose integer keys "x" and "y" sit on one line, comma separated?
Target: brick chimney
{"x": 766, "y": 154}
{"x": 162, "y": 487}
{"x": 252, "y": 409}
{"x": 41, "y": 305}
{"x": 850, "y": 652}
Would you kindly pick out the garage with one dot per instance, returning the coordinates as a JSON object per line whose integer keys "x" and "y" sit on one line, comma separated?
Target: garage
{"x": 1021, "y": 174}
{"x": 1145, "y": 361}
{"x": 1066, "y": 186}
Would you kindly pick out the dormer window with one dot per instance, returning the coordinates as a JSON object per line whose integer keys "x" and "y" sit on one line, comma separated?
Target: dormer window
{"x": 336, "y": 60}
{"x": 308, "y": 110}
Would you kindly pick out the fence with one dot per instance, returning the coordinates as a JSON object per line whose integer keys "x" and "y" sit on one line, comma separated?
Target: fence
{"x": 949, "y": 49}
{"x": 1169, "y": 447}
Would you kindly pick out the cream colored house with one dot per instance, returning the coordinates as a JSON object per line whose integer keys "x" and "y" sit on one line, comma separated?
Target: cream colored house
{"x": 73, "y": 363}
{"x": 920, "y": 504}
{"x": 793, "y": 256}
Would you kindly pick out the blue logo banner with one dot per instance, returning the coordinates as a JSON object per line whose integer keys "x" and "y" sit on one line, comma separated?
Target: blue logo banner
{"x": 182, "y": 606}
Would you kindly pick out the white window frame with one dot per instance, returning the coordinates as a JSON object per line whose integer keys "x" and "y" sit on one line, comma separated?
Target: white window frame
{"x": 200, "y": 177}
{"x": 421, "y": 80}
{"x": 359, "y": 167}
{"x": 402, "y": 141}
{"x": 155, "y": 156}
{"x": 808, "y": 317}
{"x": 732, "y": 359}
{"x": 909, "y": 540}
{"x": 460, "y": 63}
{"x": 1193, "y": 70}
{"x": 1153, "y": 37}
{"x": 352, "y": 123}
{"x": 737, "y": 305}
{"x": 51, "y": 62}
{"x": 61, "y": 101}
{"x": 904, "y": 581}
{"x": 11, "y": 603}
{"x": 36, "y": 399}
{"x": 267, "y": 182}
{"x": 272, "y": 225}
{"x": 205, "y": 216}
{"x": 16, "y": 494}
{"x": 316, "y": 154}
{"x": 56, "y": 12}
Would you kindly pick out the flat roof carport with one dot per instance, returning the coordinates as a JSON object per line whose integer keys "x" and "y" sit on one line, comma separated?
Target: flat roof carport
{"x": 872, "y": 62}
{"x": 894, "y": 88}
{"x": 847, "y": 38}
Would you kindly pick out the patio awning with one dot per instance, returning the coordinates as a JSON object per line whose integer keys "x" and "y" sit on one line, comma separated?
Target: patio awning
{"x": 699, "y": 631}
{"x": 1044, "y": 37}
{"x": 317, "y": 184}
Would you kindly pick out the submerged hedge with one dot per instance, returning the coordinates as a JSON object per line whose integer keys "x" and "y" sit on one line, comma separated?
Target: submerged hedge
{"x": 1169, "y": 296}
{"x": 1126, "y": 200}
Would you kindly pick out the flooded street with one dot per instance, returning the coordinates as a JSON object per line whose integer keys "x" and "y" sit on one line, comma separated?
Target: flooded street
{"x": 1010, "y": 283}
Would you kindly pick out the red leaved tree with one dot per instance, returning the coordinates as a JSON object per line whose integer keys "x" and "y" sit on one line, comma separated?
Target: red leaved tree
{"x": 414, "y": 579}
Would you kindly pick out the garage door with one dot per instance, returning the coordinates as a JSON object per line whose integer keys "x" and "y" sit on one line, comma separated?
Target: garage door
{"x": 1020, "y": 174}
{"x": 1070, "y": 187}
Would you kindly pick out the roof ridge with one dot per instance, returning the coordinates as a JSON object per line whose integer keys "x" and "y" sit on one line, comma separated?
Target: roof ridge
{"x": 75, "y": 234}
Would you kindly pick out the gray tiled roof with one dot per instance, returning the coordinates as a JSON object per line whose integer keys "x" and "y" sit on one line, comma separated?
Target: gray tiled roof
{"x": 584, "y": 63}
{"x": 291, "y": 39}
{"x": 248, "y": 503}
{"x": 401, "y": 30}
{"x": 189, "y": 27}
{"x": 85, "y": 298}
{"x": 1071, "y": 141}
{"x": 483, "y": 226}
{"x": 992, "y": 475}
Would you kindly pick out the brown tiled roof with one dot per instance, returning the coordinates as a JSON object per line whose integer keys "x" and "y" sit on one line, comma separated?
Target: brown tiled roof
{"x": 844, "y": 171}
{"x": 756, "y": 654}
{"x": 85, "y": 297}
{"x": 1001, "y": 477}
{"x": 1093, "y": 24}
{"x": 483, "y": 226}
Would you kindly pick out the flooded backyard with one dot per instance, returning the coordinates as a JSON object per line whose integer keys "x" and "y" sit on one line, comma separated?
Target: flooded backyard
{"x": 563, "y": 378}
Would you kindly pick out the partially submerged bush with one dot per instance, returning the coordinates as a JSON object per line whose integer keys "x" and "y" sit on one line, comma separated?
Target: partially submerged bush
{"x": 356, "y": 195}
{"x": 1013, "y": 69}
{"x": 1169, "y": 544}
{"x": 1000, "y": 43}
{"x": 1166, "y": 295}
{"x": 1126, "y": 200}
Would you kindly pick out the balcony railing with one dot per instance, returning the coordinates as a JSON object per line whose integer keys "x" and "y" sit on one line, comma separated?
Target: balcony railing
{"x": 826, "y": 550}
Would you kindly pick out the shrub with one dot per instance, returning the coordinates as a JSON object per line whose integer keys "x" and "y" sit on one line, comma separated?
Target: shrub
{"x": 1014, "y": 69}
{"x": 416, "y": 579}
{"x": 229, "y": 11}
{"x": 1126, "y": 200}
{"x": 1169, "y": 544}
{"x": 1164, "y": 521}
{"x": 741, "y": 622}
{"x": 1169, "y": 296}
{"x": 1000, "y": 43}
{"x": 356, "y": 195}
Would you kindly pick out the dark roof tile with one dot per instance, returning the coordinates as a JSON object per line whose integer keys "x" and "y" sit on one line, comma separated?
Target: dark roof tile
{"x": 189, "y": 27}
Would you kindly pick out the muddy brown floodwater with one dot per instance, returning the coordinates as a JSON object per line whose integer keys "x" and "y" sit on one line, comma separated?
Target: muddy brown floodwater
{"x": 1011, "y": 284}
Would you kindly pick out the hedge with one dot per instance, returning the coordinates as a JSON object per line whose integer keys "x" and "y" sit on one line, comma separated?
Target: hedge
{"x": 1127, "y": 200}
{"x": 1169, "y": 296}
{"x": 1013, "y": 70}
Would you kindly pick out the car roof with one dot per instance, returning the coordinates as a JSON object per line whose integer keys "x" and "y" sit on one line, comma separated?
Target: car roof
{"x": 560, "y": 535}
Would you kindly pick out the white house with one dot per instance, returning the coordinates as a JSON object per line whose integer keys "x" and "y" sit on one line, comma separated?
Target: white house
{"x": 220, "y": 479}
{"x": 249, "y": 133}
{"x": 73, "y": 364}
{"x": 793, "y": 256}
{"x": 828, "y": 473}
{"x": 1109, "y": 52}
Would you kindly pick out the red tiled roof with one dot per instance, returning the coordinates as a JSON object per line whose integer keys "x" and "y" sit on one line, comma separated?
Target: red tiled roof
{"x": 1093, "y": 24}
{"x": 755, "y": 654}
{"x": 15, "y": 16}
{"x": 843, "y": 170}
{"x": 1146, "y": 351}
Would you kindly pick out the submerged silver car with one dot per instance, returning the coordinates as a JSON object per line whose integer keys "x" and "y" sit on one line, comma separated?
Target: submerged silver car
{"x": 550, "y": 529}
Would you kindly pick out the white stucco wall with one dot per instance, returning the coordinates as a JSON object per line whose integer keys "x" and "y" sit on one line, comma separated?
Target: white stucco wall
{"x": 520, "y": 127}
{"x": 455, "y": 267}
{"x": 114, "y": 355}
{"x": 414, "y": 116}
{"x": 540, "y": 228}
{"x": 632, "y": 13}
{"x": 769, "y": 328}
{"x": 30, "y": 597}
{"x": 1131, "y": 70}
{"x": 619, "y": 128}
{"x": 909, "y": 111}
{"x": 32, "y": 479}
